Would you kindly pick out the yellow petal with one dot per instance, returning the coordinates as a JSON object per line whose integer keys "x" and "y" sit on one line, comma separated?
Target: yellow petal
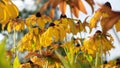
{"x": 117, "y": 26}
{"x": 95, "y": 19}
{"x": 41, "y": 23}
{"x": 9, "y": 27}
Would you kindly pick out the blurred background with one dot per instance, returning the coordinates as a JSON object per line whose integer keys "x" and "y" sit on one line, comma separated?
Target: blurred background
{"x": 29, "y": 7}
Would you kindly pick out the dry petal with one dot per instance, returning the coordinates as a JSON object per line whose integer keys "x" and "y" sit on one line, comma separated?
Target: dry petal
{"x": 52, "y": 13}
{"x": 63, "y": 7}
{"x": 75, "y": 11}
{"x": 81, "y": 6}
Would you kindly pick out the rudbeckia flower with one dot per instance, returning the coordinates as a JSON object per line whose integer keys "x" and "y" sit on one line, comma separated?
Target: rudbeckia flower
{"x": 16, "y": 24}
{"x": 52, "y": 34}
{"x": 8, "y": 11}
{"x": 29, "y": 41}
{"x": 97, "y": 42}
{"x": 38, "y": 20}
{"x": 107, "y": 18}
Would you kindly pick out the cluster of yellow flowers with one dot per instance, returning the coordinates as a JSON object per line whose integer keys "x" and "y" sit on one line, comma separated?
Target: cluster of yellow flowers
{"x": 55, "y": 32}
{"x": 46, "y": 36}
{"x": 39, "y": 63}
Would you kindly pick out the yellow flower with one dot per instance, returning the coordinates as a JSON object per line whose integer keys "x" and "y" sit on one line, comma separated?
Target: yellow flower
{"x": 39, "y": 20}
{"x": 8, "y": 11}
{"x": 31, "y": 21}
{"x": 109, "y": 64}
{"x": 30, "y": 41}
{"x": 48, "y": 41}
{"x": 97, "y": 42}
{"x": 54, "y": 33}
{"x": 43, "y": 20}
{"x": 62, "y": 33}
{"x": 46, "y": 37}
{"x": 17, "y": 24}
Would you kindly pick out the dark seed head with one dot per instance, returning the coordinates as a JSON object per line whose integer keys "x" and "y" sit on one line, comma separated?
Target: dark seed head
{"x": 105, "y": 62}
{"x": 63, "y": 16}
{"x": 38, "y": 14}
{"x": 60, "y": 43}
{"x": 17, "y": 17}
{"x": 30, "y": 62}
{"x": 51, "y": 24}
{"x": 79, "y": 22}
{"x": 108, "y": 4}
{"x": 117, "y": 61}
{"x": 37, "y": 51}
{"x": 74, "y": 39}
{"x": 98, "y": 31}
{"x": 77, "y": 45}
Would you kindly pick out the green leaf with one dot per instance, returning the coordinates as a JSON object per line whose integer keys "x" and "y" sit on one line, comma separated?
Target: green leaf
{"x": 82, "y": 65}
{"x": 63, "y": 60}
{"x": 89, "y": 58}
{"x": 16, "y": 62}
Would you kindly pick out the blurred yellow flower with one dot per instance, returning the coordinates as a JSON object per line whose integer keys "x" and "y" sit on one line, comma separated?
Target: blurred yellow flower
{"x": 17, "y": 24}
{"x": 38, "y": 20}
{"x": 25, "y": 65}
{"x": 93, "y": 44}
{"x": 30, "y": 41}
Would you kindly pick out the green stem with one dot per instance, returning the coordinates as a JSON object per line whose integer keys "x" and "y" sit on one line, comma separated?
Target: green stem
{"x": 101, "y": 52}
{"x": 14, "y": 37}
{"x": 73, "y": 25}
{"x": 46, "y": 66}
{"x": 80, "y": 33}
{"x": 96, "y": 60}
{"x": 116, "y": 35}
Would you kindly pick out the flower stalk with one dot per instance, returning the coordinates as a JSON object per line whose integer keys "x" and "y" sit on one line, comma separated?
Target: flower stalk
{"x": 14, "y": 38}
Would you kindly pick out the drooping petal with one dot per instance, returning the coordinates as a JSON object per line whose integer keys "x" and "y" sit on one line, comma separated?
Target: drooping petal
{"x": 95, "y": 19}
{"x": 117, "y": 26}
{"x": 52, "y": 13}
{"x": 63, "y": 7}
{"x": 110, "y": 23}
{"x": 81, "y": 6}
{"x": 44, "y": 7}
{"x": 75, "y": 11}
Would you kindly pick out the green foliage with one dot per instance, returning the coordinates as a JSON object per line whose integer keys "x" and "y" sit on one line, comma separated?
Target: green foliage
{"x": 4, "y": 63}
{"x": 63, "y": 60}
